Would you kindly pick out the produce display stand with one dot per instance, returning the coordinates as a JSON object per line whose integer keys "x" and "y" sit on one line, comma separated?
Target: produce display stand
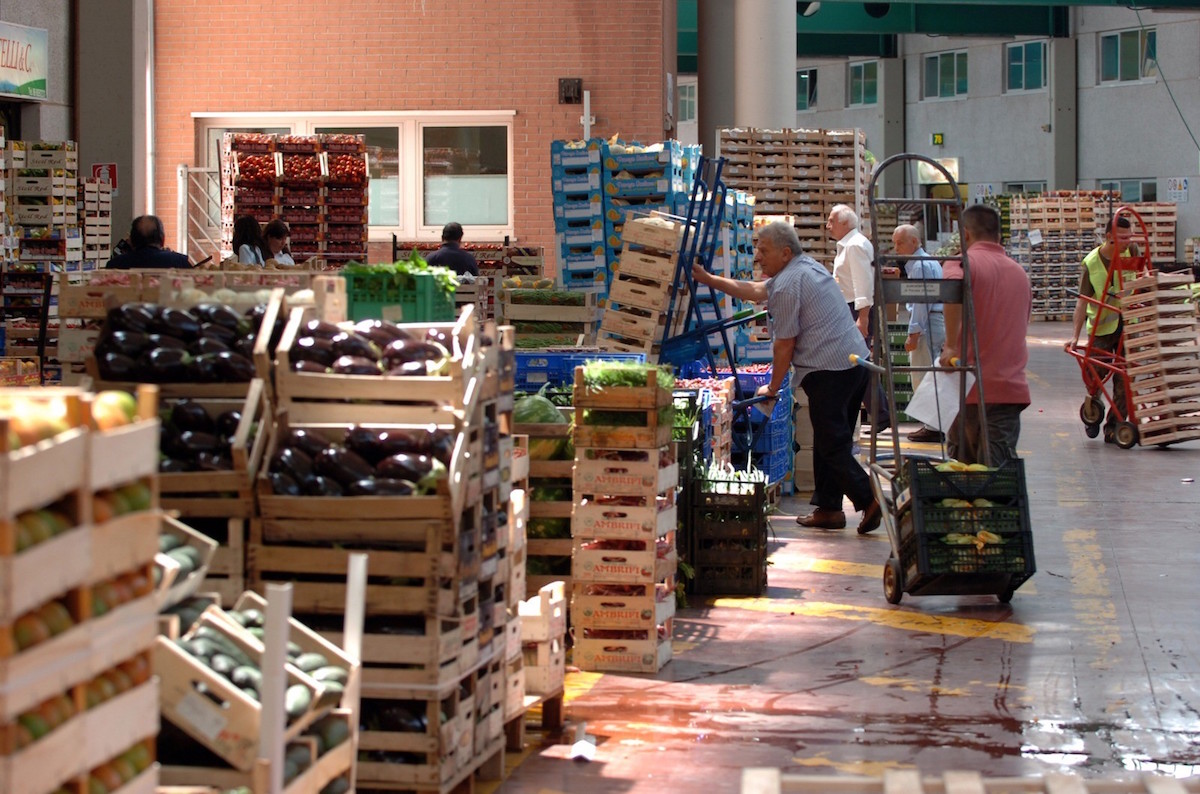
{"x": 765, "y": 780}
{"x": 78, "y": 605}
{"x": 952, "y": 531}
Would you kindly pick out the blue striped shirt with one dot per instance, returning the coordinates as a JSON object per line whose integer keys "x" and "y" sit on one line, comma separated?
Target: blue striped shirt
{"x": 805, "y": 303}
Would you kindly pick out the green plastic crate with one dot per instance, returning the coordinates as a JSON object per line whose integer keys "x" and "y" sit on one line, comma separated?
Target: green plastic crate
{"x": 399, "y": 297}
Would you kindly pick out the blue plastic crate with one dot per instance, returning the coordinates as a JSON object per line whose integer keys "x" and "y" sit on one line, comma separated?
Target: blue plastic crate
{"x": 558, "y": 369}
{"x": 669, "y": 156}
{"x": 582, "y": 181}
{"x": 563, "y": 155}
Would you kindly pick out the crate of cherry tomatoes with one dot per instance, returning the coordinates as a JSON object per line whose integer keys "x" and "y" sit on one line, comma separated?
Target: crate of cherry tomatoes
{"x": 298, "y": 144}
{"x": 301, "y": 169}
{"x": 250, "y": 142}
{"x": 343, "y": 142}
{"x": 346, "y": 169}
{"x": 254, "y": 170}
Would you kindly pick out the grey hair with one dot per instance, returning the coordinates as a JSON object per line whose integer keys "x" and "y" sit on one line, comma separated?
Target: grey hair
{"x": 909, "y": 232}
{"x": 847, "y": 212}
{"x": 782, "y": 234}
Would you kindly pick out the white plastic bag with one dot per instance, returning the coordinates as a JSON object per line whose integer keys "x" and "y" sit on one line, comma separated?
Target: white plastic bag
{"x": 935, "y": 401}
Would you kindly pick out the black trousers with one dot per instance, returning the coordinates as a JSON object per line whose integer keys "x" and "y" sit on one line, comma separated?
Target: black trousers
{"x": 880, "y": 395}
{"x": 836, "y": 472}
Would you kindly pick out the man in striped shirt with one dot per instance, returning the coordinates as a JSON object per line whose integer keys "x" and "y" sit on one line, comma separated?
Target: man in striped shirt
{"x": 814, "y": 336}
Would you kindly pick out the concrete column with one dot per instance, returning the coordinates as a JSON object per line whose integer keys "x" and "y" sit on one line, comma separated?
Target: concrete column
{"x": 714, "y": 71}
{"x": 1063, "y": 158}
{"x": 764, "y": 52}
{"x": 892, "y": 105}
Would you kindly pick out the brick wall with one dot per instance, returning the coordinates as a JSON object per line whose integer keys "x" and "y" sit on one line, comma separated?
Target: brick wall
{"x": 411, "y": 55}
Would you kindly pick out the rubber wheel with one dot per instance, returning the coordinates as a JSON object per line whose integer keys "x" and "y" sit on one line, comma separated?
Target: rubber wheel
{"x": 1092, "y": 411}
{"x": 1126, "y": 434}
{"x": 1005, "y": 597}
{"x": 1092, "y": 430}
{"x": 893, "y": 581}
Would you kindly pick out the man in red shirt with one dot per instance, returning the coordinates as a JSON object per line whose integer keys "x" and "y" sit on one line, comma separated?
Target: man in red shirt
{"x": 1001, "y": 300}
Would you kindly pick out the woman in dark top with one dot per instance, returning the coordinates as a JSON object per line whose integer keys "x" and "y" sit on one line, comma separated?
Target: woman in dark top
{"x": 248, "y": 244}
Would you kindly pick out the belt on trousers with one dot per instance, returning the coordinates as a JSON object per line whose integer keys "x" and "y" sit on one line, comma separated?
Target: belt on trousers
{"x": 935, "y": 311}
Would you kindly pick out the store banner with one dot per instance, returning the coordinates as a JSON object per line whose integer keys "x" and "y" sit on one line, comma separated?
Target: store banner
{"x": 24, "y": 65}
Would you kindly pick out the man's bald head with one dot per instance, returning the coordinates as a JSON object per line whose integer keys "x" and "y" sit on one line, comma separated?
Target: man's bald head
{"x": 906, "y": 239}
{"x": 146, "y": 231}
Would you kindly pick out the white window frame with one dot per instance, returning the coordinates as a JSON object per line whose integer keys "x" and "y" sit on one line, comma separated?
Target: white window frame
{"x": 939, "y": 55}
{"x": 1144, "y": 74}
{"x": 1045, "y": 76}
{"x": 850, "y": 82}
{"x": 687, "y": 101}
{"x": 811, "y": 96}
{"x": 410, "y": 125}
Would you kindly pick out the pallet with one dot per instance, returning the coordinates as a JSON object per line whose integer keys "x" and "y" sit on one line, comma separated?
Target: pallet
{"x": 551, "y": 708}
{"x": 762, "y": 780}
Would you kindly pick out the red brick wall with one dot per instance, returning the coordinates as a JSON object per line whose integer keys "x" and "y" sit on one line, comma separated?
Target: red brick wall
{"x": 406, "y": 55}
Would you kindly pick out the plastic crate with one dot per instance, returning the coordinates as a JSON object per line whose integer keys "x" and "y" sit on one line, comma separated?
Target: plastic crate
{"x": 558, "y": 369}
{"x": 406, "y": 297}
{"x": 731, "y": 580}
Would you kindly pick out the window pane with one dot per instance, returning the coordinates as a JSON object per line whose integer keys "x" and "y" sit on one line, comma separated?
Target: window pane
{"x": 1130, "y": 63}
{"x": 856, "y": 85}
{"x": 1109, "y": 58}
{"x": 961, "y": 69}
{"x": 1150, "y": 61}
{"x": 1016, "y": 77}
{"x": 1149, "y": 191}
{"x": 946, "y": 75}
{"x": 1034, "y": 65}
{"x": 871, "y": 88}
{"x": 465, "y": 175}
{"x": 812, "y": 88}
{"x": 931, "y": 76}
{"x": 383, "y": 162}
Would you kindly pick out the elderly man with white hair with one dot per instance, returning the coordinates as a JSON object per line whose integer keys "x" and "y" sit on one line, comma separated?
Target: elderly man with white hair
{"x": 853, "y": 269}
{"x": 926, "y": 321}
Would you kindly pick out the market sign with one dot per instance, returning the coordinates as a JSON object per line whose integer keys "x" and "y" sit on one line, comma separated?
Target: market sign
{"x": 23, "y": 61}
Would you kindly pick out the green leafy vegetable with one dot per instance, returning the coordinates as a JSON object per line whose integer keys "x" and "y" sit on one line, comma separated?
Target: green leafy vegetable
{"x": 617, "y": 374}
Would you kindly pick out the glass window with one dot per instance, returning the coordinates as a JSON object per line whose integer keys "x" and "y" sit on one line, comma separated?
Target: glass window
{"x": 806, "y": 89}
{"x": 864, "y": 83}
{"x": 1026, "y": 66}
{"x": 945, "y": 75}
{"x": 687, "y": 103}
{"x": 1133, "y": 189}
{"x": 1025, "y": 187}
{"x": 1128, "y": 55}
{"x": 383, "y": 164}
{"x": 465, "y": 175}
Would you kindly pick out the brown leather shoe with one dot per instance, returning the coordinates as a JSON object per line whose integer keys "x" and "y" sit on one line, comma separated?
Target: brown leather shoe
{"x": 871, "y": 517}
{"x": 823, "y": 519}
{"x": 925, "y": 434}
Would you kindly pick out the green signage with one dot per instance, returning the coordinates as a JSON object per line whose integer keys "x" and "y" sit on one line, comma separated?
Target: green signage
{"x": 23, "y": 61}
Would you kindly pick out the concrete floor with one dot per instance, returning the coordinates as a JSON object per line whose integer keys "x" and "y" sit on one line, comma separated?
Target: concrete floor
{"x": 1093, "y": 667}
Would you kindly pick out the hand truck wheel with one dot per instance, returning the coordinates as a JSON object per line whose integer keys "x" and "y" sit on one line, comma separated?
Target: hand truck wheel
{"x": 1092, "y": 411}
{"x": 1126, "y": 434}
{"x": 1091, "y": 430}
{"x": 893, "y": 581}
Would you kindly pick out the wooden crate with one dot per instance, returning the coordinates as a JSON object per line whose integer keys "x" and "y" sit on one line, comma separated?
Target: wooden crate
{"x": 549, "y": 313}
{"x": 651, "y": 395}
{"x": 616, "y": 343}
{"x": 636, "y": 472}
{"x": 656, "y": 232}
{"x": 641, "y": 566}
{"x": 596, "y": 517}
{"x": 647, "y": 265}
{"x": 626, "y": 290}
{"x": 763, "y": 780}
{"x": 184, "y": 587}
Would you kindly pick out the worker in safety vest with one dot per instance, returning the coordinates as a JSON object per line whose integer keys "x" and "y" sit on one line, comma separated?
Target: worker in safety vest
{"x": 1107, "y": 322}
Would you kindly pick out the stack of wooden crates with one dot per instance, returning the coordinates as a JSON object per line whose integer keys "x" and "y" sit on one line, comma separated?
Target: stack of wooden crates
{"x": 623, "y": 526}
{"x": 643, "y": 285}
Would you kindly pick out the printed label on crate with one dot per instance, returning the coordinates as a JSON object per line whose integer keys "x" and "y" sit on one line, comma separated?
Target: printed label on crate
{"x": 200, "y": 715}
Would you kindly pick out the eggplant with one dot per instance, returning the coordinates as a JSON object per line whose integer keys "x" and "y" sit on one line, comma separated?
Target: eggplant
{"x": 178, "y": 323}
{"x": 173, "y": 466}
{"x": 404, "y": 467}
{"x": 204, "y": 368}
{"x": 409, "y": 369}
{"x": 352, "y": 344}
{"x": 220, "y": 314}
{"x": 441, "y": 445}
{"x": 284, "y": 485}
{"x": 191, "y": 415}
{"x": 322, "y": 486}
{"x": 321, "y": 329}
{"x": 341, "y": 464}
{"x": 380, "y": 486}
{"x": 306, "y": 442}
{"x": 117, "y": 366}
{"x": 206, "y": 344}
{"x": 402, "y": 351}
{"x": 440, "y": 337}
{"x": 381, "y": 332}
{"x": 219, "y": 332}
{"x": 313, "y": 348}
{"x": 245, "y": 347}
{"x": 355, "y": 365}
{"x": 132, "y": 317}
{"x": 163, "y": 340}
{"x": 170, "y": 445}
{"x": 293, "y": 462}
{"x": 227, "y": 422}
{"x": 165, "y": 365}
{"x": 214, "y": 461}
{"x": 375, "y": 445}
{"x": 195, "y": 443}
{"x": 233, "y": 368}
{"x": 127, "y": 343}
{"x": 310, "y": 366}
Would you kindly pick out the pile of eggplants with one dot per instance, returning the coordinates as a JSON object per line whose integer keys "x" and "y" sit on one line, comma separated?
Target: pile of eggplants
{"x": 209, "y": 343}
{"x": 371, "y": 347}
{"x": 192, "y": 439}
{"x": 367, "y": 462}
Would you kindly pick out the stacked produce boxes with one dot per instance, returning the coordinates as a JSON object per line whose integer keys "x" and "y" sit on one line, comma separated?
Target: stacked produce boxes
{"x": 77, "y": 609}
{"x": 902, "y": 382}
{"x": 624, "y": 521}
{"x": 543, "y": 622}
{"x": 639, "y": 180}
{"x": 95, "y": 206}
{"x": 643, "y": 287}
{"x": 579, "y": 213}
{"x": 729, "y": 533}
{"x": 545, "y": 317}
{"x": 765, "y": 441}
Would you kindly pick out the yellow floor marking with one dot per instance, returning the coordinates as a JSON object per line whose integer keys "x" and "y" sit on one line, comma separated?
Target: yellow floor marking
{"x": 578, "y": 683}
{"x": 843, "y": 568}
{"x": 913, "y": 685}
{"x": 892, "y": 618}
{"x": 862, "y": 768}
{"x": 1091, "y": 595}
{"x": 683, "y": 646}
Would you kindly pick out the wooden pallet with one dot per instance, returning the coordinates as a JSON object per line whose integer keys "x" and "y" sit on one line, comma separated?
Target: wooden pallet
{"x": 761, "y": 780}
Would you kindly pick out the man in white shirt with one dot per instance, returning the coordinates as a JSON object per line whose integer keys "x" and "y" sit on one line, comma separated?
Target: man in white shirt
{"x": 853, "y": 270}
